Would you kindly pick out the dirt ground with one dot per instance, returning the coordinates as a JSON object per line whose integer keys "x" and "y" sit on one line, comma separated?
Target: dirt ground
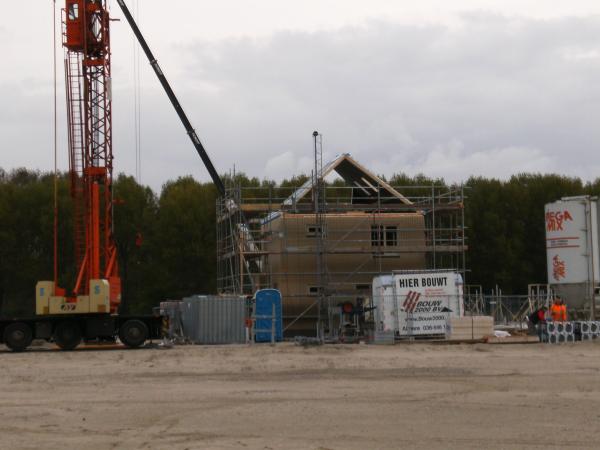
{"x": 289, "y": 397}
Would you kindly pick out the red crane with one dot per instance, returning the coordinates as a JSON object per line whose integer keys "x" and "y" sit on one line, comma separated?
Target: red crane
{"x": 86, "y": 38}
{"x": 88, "y": 310}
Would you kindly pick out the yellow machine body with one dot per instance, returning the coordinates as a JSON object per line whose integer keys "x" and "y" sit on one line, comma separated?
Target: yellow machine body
{"x": 98, "y": 301}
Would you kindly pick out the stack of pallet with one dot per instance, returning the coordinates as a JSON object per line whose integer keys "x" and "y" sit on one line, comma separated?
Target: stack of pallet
{"x": 469, "y": 328}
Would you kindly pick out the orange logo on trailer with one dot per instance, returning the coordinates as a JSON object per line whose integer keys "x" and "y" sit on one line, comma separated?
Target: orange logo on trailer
{"x": 559, "y": 269}
{"x": 555, "y": 220}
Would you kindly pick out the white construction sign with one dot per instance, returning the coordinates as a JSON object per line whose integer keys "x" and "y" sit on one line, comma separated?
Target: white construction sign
{"x": 417, "y": 303}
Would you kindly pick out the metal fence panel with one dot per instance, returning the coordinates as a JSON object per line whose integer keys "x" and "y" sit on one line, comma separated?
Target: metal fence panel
{"x": 214, "y": 319}
{"x": 190, "y": 315}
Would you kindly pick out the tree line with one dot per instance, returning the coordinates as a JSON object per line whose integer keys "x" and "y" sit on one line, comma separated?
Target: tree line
{"x": 166, "y": 241}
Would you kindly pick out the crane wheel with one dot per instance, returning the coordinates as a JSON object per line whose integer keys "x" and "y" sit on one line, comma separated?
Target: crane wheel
{"x": 133, "y": 333}
{"x": 18, "y": 336}
{"x": 67, "y": 335}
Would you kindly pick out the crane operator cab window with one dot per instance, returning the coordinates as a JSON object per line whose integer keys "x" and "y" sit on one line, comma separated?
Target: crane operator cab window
{"x": 73, "y": 11}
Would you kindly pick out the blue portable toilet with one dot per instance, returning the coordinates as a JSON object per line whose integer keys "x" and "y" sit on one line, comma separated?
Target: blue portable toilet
{"x": 264, "y": 301}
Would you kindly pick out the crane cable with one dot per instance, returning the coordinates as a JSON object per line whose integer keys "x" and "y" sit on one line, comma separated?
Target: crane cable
{"x": 139, "y": 84}
{"x": 55, "y": 225}
{"x": 137, "y": 101}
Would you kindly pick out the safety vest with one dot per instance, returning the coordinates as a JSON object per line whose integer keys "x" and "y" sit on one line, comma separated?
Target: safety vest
{"x": 563, "y": 312}
{"x": 558, "y": 313}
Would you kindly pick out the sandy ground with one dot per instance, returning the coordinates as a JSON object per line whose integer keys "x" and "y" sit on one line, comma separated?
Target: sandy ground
{"x": 289, "y": 397}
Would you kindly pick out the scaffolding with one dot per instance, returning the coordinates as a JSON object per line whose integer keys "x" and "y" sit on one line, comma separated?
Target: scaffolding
{"x": 320, "y": 207}
{"x": 332, "y": 243}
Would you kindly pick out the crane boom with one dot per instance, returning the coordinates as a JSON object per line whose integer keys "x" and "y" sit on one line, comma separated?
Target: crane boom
{"x": 178, "y": 109}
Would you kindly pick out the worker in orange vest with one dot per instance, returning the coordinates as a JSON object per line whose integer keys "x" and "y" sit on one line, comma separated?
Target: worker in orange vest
{"x": 563, "y": 310}
{"x": 558, "y": 311}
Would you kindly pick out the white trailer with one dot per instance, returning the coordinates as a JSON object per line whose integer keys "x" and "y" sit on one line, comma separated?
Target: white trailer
{"x": 417, "y": 303}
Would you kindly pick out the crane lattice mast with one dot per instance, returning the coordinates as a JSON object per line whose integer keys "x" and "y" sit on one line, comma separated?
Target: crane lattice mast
{"x": 86, "y": 39}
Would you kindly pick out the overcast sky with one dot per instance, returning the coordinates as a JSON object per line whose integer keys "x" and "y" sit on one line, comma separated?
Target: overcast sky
{"x": 486, "y": 87}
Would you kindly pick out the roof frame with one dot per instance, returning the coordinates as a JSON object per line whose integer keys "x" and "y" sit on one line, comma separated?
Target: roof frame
{"x": 356, "y": 175}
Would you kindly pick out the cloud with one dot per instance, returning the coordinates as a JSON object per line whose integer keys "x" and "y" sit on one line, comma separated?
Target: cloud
{"x": 399, "y": 96}
{"x": 283, "y": 163}
{"x": 453, "y": 162}
{"x": 287, "y": 164}
{"x": 492, "y": 96}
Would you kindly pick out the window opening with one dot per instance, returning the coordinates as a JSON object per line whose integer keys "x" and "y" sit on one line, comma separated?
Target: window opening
{"x": 391, "y": 236}
{"x": 377, "y": 235}
{"x": 384, "y": 236}
{"x": 73, "y": 11}
{"x": 313, "y": 231}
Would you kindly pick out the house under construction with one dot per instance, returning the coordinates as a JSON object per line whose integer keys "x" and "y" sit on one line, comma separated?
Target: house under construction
{"x": 324, "y": 242}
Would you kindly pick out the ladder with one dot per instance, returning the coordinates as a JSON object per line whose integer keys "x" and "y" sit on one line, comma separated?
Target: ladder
{"x": 77, "y": 150}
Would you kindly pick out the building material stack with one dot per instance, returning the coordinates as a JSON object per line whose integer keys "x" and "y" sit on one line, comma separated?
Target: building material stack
{"x": 469, "y": 328}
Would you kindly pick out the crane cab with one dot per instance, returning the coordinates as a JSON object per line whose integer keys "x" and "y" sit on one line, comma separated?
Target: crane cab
{"x": 73, "y": 33}
{"x": 86, "y": 27}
